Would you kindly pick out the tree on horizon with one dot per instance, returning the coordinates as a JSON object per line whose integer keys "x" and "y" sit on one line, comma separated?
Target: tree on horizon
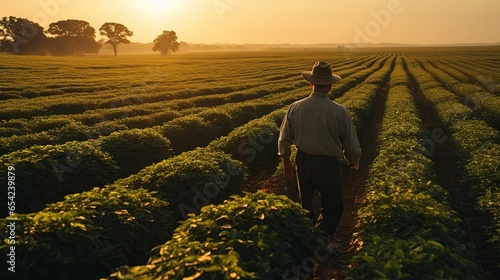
{"x": 72, "y": 36}
{"x": 117, "y": 33}
{"x": 166, "y": 43}
{"x": 22, "y": 36}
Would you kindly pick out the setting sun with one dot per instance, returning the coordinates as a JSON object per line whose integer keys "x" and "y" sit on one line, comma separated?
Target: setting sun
{"x": 272, "y": 22}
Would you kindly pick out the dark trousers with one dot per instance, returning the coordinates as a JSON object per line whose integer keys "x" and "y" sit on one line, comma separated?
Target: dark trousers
{"x": 321, "y": 173}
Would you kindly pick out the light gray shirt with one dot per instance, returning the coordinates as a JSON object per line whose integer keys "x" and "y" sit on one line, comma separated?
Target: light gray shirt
{"x": 319, "y": 126}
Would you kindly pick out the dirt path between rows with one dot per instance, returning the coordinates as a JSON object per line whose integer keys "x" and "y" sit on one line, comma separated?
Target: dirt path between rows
{"x": 337, "y": 265}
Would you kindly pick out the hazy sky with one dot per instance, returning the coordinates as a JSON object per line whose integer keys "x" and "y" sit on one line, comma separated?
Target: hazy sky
{"x": 280, "y": 21}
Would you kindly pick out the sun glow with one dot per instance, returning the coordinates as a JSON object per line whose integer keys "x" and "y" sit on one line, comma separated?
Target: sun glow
{"x": 158, "y": 8}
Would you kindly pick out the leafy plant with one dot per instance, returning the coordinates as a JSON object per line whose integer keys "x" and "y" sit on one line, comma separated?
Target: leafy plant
{"x": 407, "y": 229}
{"x": 45, "y": 174}
{"x": 88, "y": 234}
{"x": 258, "y": 236}
{"x": 187, "y": 133}
{"x": 476, "y": 143}
{"x": 135, "y": 149}
{"x": 191, "y": 180}
{"x": 220, "y": 120}
{"x": 254, "y": 144}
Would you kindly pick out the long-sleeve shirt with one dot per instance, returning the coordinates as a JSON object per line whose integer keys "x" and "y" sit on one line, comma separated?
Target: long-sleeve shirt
{"x": 319, "y": 126}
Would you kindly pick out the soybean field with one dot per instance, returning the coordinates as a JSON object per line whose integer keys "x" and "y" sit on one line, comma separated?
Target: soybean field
{"x": 166, "y": 167}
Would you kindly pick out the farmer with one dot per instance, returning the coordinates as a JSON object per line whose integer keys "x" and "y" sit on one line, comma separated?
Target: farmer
{"x": 323, "y": 132}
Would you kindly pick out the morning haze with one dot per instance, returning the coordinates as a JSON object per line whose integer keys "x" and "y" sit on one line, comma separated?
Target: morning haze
{"x": 277, "y": 22}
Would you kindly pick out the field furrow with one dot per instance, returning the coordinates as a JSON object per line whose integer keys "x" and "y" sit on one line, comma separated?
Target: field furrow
{"x": 108, "y": 150}
{"x": 130, "y": 111}
{"x": 406, "y": 211}
{"x": 483, "y": 104}
{"x": 474, "y": 185}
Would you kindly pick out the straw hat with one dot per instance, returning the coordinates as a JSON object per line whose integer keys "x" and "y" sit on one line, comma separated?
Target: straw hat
{"x": 321, "y": 74}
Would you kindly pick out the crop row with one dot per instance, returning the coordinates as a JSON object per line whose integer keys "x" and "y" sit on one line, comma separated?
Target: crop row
{"x": 60, "y": 167}
{"x": 484, "y": 104}
{"x": 175, "y": 187}
{"x": 60, "y": 171}
{"x": 360, "y": 100}
{"x": 48, "y": 169}
{"x": 258, "y": 236}
{"x": 164, "y": 91}
{"x": 84, "y": 76}
{"x": 254, "y": 143}
{"x": 165, "y": 85}
{"x": 474, "y": 72}
{"x": 67, "y": 129}
{"x": 131, "y": 110}
{"x": 46, "y": 173}
{"x": 406, "y": 228}
{"x": 136, "y": 70}
{"x": 258, "y": 150}
{"x": 350, "y": 81}
{"x": 193, "y": 253}
{"x": 149, "y": 99}
{"x": 88, "y": 234}
{"x": 476, "y": 145}
{"x": 60, "y": 129}
{"x": 482, "y": 64}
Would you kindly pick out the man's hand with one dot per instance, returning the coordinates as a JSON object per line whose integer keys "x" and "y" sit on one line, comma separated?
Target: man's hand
{"x": 348, "y": 163}
{"x": 288, "y": 169}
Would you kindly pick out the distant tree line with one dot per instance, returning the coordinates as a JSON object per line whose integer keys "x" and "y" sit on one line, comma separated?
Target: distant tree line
{"x": 70, "y": 37}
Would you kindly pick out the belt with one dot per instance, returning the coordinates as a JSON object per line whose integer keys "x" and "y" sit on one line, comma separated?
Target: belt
{"x": 317, "y": 156}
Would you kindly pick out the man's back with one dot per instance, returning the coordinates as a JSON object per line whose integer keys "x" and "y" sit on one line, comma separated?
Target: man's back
{"x": 319, "y": 126}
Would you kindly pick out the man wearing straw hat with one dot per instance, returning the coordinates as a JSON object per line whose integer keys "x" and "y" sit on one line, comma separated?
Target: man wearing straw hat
{"x": 323, "y": 132}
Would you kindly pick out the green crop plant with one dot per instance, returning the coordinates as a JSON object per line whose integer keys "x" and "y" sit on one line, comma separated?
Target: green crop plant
{"x": 191, "y": 180}
{"x": 47, "y": 173}
{"x": 257, "y": 236}
{"x": 132, "y": 150}
{"x": 406, "y": 228}
{"x": 88, "y": 234}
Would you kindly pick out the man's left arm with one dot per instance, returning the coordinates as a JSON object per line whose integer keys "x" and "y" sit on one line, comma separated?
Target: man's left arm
{"x": 284, "y": 150}
{"x": 350, "y": 143}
